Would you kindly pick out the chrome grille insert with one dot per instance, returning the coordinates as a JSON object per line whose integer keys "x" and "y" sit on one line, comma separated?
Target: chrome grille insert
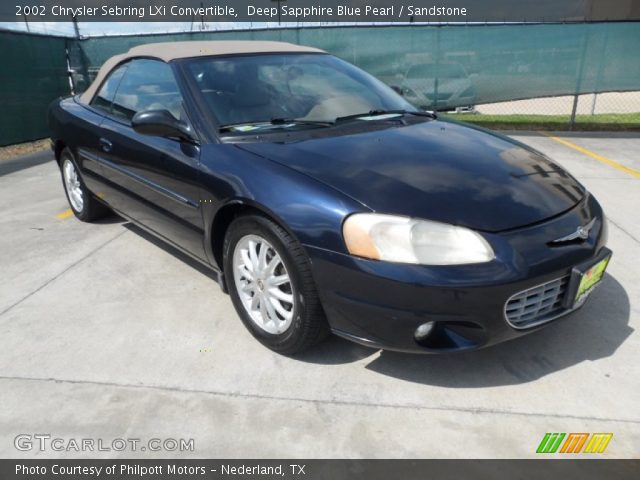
{"x": 537, "y": 305}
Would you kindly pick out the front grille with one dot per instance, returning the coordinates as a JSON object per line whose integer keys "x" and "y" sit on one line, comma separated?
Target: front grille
{"x": 538, "y": 304}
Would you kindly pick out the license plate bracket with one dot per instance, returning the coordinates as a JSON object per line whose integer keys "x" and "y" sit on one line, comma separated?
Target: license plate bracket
{"x": 585, "y": 278}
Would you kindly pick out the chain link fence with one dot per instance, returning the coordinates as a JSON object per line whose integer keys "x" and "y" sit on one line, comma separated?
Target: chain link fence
{"x": 587, "y": 104}
{"x": 592, "y": 111}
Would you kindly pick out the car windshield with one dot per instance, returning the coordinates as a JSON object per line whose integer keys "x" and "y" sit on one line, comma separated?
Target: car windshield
{"x": 299, "y": 88}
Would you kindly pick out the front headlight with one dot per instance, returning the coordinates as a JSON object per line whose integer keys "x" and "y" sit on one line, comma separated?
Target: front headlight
{"x": 408, "y": 240}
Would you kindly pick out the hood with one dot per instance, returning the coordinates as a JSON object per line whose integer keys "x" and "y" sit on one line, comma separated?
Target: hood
{"x": 437, "y": 170}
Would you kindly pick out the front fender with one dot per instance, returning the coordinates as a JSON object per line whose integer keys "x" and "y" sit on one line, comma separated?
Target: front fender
{"x": 309, "y": 210}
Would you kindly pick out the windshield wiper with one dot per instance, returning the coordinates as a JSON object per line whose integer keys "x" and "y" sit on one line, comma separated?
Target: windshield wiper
{"x": 375, "y": 113}
{"x": 276, "y": 122}
{"x": 280, "y": 121}
{"x": 301, "y": 121}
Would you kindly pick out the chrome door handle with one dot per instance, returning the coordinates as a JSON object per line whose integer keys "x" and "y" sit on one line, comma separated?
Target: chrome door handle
{"x": 106, "y": 145}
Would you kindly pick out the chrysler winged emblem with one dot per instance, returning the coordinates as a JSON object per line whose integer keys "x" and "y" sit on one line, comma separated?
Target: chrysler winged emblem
{"x": 582, "y": 232}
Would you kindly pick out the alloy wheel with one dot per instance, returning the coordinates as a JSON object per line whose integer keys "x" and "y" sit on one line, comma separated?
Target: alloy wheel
{"x": 73, "y": 186}
{"x": 263, "y": 284}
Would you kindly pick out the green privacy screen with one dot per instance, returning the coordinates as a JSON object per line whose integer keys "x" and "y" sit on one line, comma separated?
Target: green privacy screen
{"x": 33, "y": 72}
{"x": 436, "y": 67}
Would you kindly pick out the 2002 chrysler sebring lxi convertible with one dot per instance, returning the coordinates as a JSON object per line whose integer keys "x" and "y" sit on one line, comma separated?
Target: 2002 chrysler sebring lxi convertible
{"x": 325, "y": 201}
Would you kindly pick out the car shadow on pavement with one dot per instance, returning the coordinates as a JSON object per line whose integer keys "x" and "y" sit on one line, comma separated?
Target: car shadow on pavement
{"x": 335, "y": 351}
{"x": 593, "y": 332}
{"x": 171, "y": 250}
{"x": 111, "y": 219}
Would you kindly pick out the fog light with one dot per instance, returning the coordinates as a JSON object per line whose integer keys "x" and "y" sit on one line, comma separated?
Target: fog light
{"x": 423, "y": 331}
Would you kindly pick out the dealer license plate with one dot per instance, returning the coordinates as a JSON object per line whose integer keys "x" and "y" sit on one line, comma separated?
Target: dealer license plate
{"x": 589, "y": 280}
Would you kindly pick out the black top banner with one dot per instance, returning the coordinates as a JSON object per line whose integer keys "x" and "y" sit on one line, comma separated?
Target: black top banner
{"x": 321, "y": 10}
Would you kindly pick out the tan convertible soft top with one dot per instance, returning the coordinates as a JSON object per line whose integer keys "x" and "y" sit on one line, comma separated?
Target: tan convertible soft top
{"x": 173, "y": 50}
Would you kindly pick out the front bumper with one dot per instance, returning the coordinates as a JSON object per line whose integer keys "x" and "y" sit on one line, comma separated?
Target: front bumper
{"x": 380, "y": 304}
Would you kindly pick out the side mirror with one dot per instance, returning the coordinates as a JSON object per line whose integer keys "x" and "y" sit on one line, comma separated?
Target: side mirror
{"x": 399, "y": 90}
{"x": 161, "y": 123}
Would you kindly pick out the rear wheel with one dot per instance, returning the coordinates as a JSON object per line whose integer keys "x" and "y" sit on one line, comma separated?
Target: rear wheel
{"x": 82, "y": 202}
{"x": 270, "y": 283}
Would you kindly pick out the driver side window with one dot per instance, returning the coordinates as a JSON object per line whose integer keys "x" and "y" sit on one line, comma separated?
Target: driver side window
{"x": 104, "y": 97}
{"x": 147, "y": 85}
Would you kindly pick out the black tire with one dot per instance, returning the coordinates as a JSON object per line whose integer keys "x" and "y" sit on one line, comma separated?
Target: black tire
{"x": 92, "y": 209}
{"x": 309, "y": 325}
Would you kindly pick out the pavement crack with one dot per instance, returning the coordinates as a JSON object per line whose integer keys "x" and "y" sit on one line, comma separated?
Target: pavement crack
{"x": 58, "y": 275}
{"x": 336, "y": 402}
{"x": 623, "y": 230}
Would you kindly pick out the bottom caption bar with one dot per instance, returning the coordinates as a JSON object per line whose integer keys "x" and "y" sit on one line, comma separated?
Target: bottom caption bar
{"x": 577, "y": 469}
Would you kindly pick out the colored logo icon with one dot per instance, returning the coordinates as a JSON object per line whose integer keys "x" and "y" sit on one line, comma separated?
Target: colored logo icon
{"x": 574, "y": 443}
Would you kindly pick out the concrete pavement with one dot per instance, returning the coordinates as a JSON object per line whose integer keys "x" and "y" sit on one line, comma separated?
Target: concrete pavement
{"x": 106, "y": 333}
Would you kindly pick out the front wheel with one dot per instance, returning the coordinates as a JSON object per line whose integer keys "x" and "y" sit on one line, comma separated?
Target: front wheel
{"x": 82, "y": 202}
{"x": 271, "y": 287}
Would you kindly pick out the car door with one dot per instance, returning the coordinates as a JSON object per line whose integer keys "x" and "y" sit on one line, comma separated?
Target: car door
{"x": 152, "y": 179}
{"x": 86, "y": 130}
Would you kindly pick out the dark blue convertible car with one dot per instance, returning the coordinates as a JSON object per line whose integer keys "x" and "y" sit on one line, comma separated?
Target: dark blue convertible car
{"x": 325, "y": 201}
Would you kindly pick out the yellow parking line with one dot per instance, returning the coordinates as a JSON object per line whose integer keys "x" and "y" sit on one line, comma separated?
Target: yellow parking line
{"x": 595, "y": 156}
{"x": 66, "y": 214}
